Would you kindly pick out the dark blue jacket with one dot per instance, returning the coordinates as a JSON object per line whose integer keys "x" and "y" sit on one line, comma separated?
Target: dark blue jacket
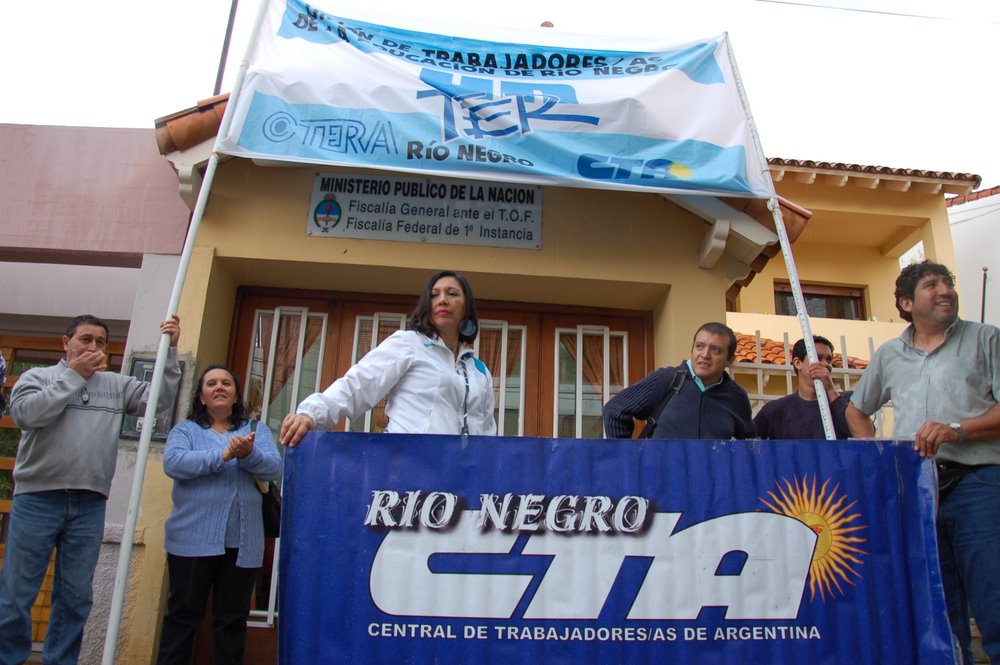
{"x": 721, "y": 412}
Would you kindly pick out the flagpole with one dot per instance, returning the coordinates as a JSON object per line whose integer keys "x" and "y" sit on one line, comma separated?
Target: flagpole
{"x": 225, "y": 48}
{"x": 142, "y": 454}
{"x": 786, "y": 251}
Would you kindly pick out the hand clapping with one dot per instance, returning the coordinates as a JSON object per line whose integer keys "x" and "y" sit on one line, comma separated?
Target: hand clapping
{"x": 239, "y": 447}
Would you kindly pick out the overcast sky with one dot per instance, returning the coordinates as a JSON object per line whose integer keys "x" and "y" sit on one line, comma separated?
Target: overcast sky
{"x": 899, "y": 83}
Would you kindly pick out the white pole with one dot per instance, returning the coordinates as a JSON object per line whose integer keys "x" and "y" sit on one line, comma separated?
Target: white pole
{"x": 786, "y": 251}
{"x": 800, "y": 307}
{"x": 128, "y": 533}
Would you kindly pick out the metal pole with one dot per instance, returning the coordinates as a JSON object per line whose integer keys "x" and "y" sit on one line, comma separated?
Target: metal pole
{"x": 142, "y": 454}
{"x": 225, "y": 47}
{"x": 786, "y": 252}
{"x": 128, "y": 532}
{"x": 982, "y": 303}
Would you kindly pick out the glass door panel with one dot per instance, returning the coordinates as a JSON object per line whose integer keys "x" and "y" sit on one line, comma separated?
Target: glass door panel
{"x": 591, "y": 368}
{"x": 283, "y": 367}
{"x": 384, "y": 324}
{"x": 502, "y": 348}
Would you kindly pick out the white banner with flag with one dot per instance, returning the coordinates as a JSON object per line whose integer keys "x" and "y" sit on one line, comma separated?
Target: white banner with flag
{"x": 578, "y": 111}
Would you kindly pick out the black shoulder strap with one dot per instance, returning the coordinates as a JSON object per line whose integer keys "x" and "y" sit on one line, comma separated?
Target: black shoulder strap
{"x": 675, "y": 387}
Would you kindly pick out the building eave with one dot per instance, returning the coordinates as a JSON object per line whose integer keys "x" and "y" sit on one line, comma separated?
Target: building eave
{"x": 838, "y": 174}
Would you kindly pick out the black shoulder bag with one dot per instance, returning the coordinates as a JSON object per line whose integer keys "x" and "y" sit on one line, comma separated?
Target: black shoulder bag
{"x": 270, "y": 501}
{"x": 675, "y": 387}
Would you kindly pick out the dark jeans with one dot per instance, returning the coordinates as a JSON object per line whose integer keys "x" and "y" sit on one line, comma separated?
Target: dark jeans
{"x": 191, "y": 579}
{"x": 969, "y": 546}
{"x": 71, "y": 522}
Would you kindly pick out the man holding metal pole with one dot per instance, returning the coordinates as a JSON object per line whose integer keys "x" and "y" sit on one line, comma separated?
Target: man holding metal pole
{"x": 797, "y": 416}
{"x": 69, "y": 415}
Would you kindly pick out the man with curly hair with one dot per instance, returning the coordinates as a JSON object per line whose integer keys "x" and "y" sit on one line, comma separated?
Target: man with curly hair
{"x": 943, "y": 377}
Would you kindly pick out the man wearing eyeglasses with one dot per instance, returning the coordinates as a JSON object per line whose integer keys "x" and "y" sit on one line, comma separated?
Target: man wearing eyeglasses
{"x": 69, "y": 415}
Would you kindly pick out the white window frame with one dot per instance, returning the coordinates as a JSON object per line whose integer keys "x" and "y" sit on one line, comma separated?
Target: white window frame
{"x": 265, "y": 618}
{"x": 505, "y": 328}
{"x": 376, "y": 320}
{"x": 580, "y": 332}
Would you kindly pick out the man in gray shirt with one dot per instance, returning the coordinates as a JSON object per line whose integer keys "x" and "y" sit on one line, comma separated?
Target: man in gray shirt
{"x": 69, "y": 415}
{"x": 943, "y": 377}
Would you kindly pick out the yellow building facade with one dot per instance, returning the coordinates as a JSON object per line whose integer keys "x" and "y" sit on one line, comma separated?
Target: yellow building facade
{"x": 617, "y": 272}
{"x": 862, "y": 222}
{"x": 617, "y": 287}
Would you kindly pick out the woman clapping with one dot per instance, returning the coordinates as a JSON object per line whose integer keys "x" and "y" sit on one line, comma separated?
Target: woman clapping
{"x": 214, "y": 535}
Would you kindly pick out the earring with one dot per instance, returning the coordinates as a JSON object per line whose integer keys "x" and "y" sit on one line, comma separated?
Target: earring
{"x": 468, "y": 328}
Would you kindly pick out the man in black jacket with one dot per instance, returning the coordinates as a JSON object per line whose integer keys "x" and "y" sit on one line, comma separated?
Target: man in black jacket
{"x": 708, "y": 404}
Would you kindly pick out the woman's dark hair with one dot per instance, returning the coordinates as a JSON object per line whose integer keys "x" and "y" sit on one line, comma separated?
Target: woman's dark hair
{"x": 199, "y": 413}
{"x": 420, "y": 319}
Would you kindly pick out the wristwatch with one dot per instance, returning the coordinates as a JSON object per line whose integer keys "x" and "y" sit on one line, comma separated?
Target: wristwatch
{"x": 958, "y": 430}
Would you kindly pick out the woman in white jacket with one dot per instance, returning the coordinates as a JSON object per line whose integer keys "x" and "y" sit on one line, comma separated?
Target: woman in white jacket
{"x": 434, "y": 382}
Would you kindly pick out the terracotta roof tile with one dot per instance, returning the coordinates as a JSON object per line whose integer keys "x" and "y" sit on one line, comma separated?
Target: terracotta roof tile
{"x": 875, "y": 170}
{"x": 974, "y": 196}
{"x": 773, "y": 353}
{"x": 189, "y": 127}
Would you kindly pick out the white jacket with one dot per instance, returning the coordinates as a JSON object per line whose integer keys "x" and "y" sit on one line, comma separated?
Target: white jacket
{"x": 425, "y": 385}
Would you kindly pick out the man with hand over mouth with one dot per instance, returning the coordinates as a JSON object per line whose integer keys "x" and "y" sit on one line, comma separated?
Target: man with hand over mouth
{"x": 69, "y": 415}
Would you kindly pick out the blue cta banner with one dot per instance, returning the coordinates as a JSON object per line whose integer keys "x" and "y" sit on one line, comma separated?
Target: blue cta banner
{"x": 434, "y": 549}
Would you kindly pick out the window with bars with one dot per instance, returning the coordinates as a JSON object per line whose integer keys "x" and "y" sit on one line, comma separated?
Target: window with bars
{"x": 283, "y": 367}
{"x": 369, "y": 332}
{"x": 503, "y": 348}
{"x": 591, "y": 368}
{"x": 499, "y": 345}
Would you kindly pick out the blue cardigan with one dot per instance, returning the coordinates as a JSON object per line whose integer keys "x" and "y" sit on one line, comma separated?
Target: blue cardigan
{"x": 205, "y": 486}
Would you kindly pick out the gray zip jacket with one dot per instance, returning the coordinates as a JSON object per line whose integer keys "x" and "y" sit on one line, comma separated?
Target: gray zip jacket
{"x": 67, "y": 443}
